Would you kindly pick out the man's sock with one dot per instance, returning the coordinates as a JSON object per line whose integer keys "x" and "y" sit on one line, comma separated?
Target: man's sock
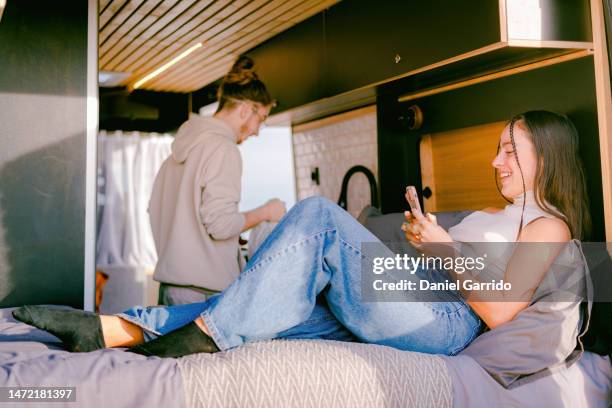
{"x": 80, "y": 331}
{"x": 188, "y": 339}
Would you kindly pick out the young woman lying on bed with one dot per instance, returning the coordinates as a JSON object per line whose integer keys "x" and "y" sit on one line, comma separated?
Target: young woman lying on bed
{"x": 305, "y": 279}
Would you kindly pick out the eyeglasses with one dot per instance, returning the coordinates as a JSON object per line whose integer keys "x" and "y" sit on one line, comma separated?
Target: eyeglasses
{"x": 262, "y": 117}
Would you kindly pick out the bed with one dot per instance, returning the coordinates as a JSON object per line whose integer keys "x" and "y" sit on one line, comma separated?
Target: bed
{"x": 287, "y": 373}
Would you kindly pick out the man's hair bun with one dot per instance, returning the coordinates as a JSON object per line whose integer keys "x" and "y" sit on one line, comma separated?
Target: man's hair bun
{"x": 242, "y": 84}
{"x": 241, "y": 72}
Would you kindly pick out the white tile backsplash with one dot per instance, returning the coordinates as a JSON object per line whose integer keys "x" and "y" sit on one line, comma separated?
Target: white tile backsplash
{"x": 334, "y": 149}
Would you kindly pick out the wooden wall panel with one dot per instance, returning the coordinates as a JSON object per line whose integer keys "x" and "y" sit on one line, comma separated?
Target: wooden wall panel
{"x": 456, "y": 166}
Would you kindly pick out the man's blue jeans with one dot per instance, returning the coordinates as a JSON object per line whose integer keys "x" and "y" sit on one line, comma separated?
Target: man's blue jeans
{"x": 305, "y": 282}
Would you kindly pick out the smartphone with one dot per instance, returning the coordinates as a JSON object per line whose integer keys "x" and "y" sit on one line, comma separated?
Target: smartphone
{"x": 413, "y": 199}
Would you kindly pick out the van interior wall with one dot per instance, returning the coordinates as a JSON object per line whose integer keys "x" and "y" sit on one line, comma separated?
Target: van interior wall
{"x": 355, "y": 43}
{"x": 329, "y": 148}
{"x": 567, "y": 87}
{"x": 43, "y": 47}
{"x": 141, "y": 110}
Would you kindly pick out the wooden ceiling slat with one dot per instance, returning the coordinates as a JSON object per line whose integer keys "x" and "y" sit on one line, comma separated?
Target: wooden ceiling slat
{"x": 170, "y": 87}
{"x": 139, "y": 36}
{"x": 168, "y": 33}
{"x": 110, "y": 49}
{"x": 110, "y": 11}
{"x": 138, "y": 46}
{"x": 319, "y": 7}
{"x": 181, "y": 39}
{"x": 213, "y": 31}
{"x": 185, "y": 19}
{"x": 119, "y": 20}
{"x": 207, "y": 59}
{"x": 201, "y": 81}
{"x": 102, "y": 4}
{"x": 132, "y": 23}
{"x": 217, "y": 27}
{"x": 195, "y": 82}
{"x": 223, "y": 64}
{"x": 206, "y": 37}
{"x": 161, "y": 56}
{"x": 236, "y": 46}
{"x": 209, "y": 72}
{"x": 235, "y": 31}
{"x": 201, "y": 11}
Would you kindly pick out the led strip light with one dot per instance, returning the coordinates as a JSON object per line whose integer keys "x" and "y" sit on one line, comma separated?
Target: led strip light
{"x": 167, "y": 65}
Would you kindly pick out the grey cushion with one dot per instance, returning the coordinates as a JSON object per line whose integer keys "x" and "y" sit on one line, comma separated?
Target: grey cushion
{"x": 315, "y": 373}
{"x": 387, "y": 227}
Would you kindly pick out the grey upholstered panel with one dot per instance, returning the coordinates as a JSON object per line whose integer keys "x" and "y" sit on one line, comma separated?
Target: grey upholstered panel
{"x": 387, "y": 227}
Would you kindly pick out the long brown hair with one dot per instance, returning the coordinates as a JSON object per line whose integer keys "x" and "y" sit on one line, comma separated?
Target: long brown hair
{"x": 559, "y": 180}
{"x": 241, "y": 83}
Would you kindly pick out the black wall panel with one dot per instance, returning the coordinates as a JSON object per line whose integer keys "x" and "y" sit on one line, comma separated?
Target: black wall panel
{"x": 43, "y": 61}
{"x": 292, "y": 64}
{"x": 354, "y": 44}
{"x": 364, "y": 37}
{"x": 142, "y": 110}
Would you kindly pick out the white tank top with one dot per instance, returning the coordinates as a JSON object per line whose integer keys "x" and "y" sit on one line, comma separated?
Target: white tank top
{"x": 501, "y": 226}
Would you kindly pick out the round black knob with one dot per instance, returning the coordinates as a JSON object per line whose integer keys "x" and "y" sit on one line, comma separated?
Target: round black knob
{"x": 412, "y": 119}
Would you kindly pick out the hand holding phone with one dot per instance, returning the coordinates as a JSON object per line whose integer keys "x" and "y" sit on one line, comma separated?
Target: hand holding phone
{"x": 413, "y": 199}
{"x": 421, "y": 229}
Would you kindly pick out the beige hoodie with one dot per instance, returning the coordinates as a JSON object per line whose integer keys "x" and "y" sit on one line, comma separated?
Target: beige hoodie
{"x": 194, "y": 207}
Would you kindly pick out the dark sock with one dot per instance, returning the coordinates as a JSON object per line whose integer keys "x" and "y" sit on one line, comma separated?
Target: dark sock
{"x": 188, "y": 339}
{"x": 79, "y": 330}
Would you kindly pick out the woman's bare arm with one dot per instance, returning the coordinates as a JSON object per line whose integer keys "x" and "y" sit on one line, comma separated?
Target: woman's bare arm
{"x": 525, "y": 270}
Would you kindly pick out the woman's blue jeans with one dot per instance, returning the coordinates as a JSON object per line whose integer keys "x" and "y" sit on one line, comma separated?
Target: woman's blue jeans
{"x": 305, "y": 282}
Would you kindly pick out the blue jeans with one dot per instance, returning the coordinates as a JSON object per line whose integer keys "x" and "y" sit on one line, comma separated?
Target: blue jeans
{"x": 305, "y": 282}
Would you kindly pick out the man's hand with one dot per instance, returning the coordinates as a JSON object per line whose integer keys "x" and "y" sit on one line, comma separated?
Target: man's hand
{"x": 275, "y": 210}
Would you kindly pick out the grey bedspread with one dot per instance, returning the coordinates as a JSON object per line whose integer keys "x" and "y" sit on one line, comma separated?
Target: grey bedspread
{"x": 321, "y": 373}
{"x": 283, "y": 373}
{"x": 108, "y": 378}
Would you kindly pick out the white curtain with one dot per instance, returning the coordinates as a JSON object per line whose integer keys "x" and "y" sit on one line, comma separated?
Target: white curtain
{"x": 127, "y": 165}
